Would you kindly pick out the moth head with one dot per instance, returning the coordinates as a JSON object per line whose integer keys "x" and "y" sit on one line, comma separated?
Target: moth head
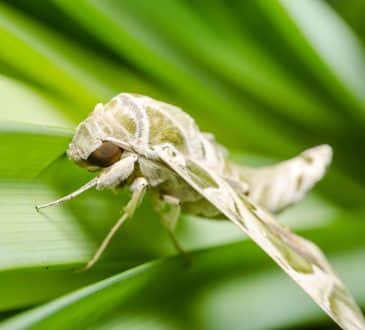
{"x": 89, "y": 149}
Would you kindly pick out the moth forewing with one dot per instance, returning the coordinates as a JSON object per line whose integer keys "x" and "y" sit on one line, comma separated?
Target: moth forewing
{"x": 301, "y": 260}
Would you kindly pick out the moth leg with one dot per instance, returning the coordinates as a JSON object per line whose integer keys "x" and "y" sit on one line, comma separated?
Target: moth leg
{"x": 169, "y": 209}
{"x": 70, "y": 196}
{"x": 111, "y": 177}
{"x": 138, "y": 188}
{"x": 117, "y": 173}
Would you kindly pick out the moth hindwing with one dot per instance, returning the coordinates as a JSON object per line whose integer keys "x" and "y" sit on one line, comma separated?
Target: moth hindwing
{"x": 300, "y": 259}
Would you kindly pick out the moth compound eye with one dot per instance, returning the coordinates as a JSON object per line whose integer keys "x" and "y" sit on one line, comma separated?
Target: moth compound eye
{"x": 107, "y": 154}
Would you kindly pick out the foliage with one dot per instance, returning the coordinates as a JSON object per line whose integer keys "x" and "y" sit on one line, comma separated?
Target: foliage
{"x": 267, "y": 77}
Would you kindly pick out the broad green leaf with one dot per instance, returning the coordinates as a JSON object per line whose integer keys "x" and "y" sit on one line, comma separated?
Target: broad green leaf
{"x": 30, "y": 238}
{"x": 22, "y": 288}
{"x": 213, "y": 293}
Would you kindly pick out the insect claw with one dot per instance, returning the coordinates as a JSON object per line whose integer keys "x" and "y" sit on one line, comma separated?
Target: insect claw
{"x": 82, "y": 269}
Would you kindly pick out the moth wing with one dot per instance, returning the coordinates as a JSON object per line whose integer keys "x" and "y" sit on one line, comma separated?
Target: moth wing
{"x": 299, "y": 258}
{"x": 276, "y": 187}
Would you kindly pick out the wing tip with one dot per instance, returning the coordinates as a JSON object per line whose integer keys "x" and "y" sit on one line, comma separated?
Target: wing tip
{"x": 322, "y": 153}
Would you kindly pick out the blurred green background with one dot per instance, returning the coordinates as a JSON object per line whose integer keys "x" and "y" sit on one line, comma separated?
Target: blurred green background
{"x": 267, "y": 77}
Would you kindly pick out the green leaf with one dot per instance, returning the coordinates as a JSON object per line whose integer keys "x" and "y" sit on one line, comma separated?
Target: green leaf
{"x": 43, "y": 146}
{"x": 22, "y": 288}
{"x": 351, "y": 11}
{"x": 25, "y": 104}
{"x": 215, "y": 293}
{"x": 327, "y": 45}
{"x": 71, "y": 72}
{"x": 27, "y": 234}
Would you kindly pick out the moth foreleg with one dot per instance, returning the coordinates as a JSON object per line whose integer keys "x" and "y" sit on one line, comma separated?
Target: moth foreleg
{"x": 138, "y": 188}
{"x": 117, "y": 173}
{"x": 70, "y": 196}
{"x": 169, "y": 209}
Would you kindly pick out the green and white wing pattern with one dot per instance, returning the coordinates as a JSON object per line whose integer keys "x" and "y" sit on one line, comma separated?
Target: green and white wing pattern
{"x": 301, "y": 259}
{"x": 278, "y": 186}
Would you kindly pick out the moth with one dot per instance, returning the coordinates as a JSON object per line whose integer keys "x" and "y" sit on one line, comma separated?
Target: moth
{"x": 149, "y": 145}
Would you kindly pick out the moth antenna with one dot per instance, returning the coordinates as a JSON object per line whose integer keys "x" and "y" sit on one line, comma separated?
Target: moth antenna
{"x": 70, "y": 196}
